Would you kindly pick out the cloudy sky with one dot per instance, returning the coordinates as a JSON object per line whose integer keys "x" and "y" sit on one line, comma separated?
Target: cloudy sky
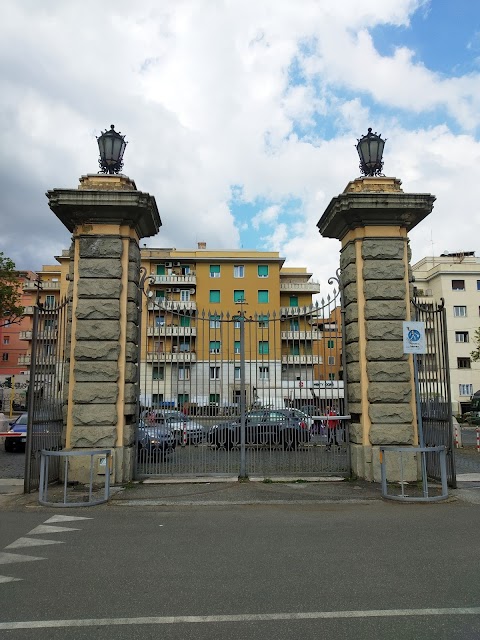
{"x": 241, "y": 115}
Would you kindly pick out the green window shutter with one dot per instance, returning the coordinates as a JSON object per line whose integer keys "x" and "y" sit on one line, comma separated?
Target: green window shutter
{"x": 160, "y": 269}
{"x": 214, "y": 269}
{"x": 263, "y": 347}
{"x": 214, "y": 346}
{"x": 236, "y": 346}
{"x": 160, "y": 293}
{"x": 263, "y": 295}
{"x": 294, "y": 326}
{"x": 214, "y": 295}
{"x": 238, "y": 295}
{"x": 294, "y": 301}
{"x": 295, "y": 350}
{"x": 263, "y": 270}
{"x": 184, "y": 321}
{"x": 330, "y": 344}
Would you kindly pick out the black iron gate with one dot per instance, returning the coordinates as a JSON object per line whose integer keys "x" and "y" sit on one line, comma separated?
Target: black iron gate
{"x": 45, "y": 399}
{"x": 233, "y": 393}
{"x": 433, "y": 387}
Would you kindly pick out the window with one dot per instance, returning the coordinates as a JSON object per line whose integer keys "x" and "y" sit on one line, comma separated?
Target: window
{"x": 214, "y": 346}
{"x": 459, "y": 312}
{"x": 331, "y": 360}
{"x": 214, "y": 271}
{"x": 185, "y": 268}
{"x": 263, "y": 295}
{"x": 263, "y": 270}
{"x": 49, "y": 301}
{"x": 214, "y": 322}
{"x": 237, "y": 373}
{"x": 330, "y": 344}
{"x": 182, "y": 399}
{"x": 160, "y": 293}
{"x": 6, "y": 340}
{"x": 458, "y": 285}
{"x": 214, "y": 295}
{"x": 5, "y": 357}
{"x": 158, "y": 372}
{"x": 236, "y": 346}
{"x": 214, "y": 398}
{"x": 294, "y": 326}
{"x": 157, "y": 398}
{"x": 214, "y": 373}
{"x": 184, "y": 321}
{"x": 184, "y": 347}
{"x": 294, "y": 301}
{"x": 183, "y": 372}
{"x": 236, "y": 323}
{"x": 331, "y": 376}
{"x": 185, "y": 295}
{"x": 478, "y": 285}
{"x": 461, "y": 336}
{"x": 463, "y": 363}
{"x": 465, "y": 389}
{"x": 295, "y": 349}
{"x": 263, "y": 347}
{"x": 159, "y": 321}
{"x": 262, "y": 322}
{"x": 239, "y": 271}
{"x": 263, "y": 373}
{"x": 160, "y": 269}
{"x": 238, "y": 295}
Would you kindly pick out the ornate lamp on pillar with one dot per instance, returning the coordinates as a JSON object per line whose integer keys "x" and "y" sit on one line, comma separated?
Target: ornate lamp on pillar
{"x": 372, "y": 218}
{"x": 107, "y": 216}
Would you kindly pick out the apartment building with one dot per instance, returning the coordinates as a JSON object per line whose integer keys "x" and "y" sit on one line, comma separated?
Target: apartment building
{"x": 455, "y": 277}
{"x": 192, "y": 321}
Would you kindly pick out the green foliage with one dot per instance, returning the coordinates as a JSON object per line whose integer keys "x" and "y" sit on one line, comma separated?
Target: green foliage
{"x": 10, "y": 309}
{"x": 476, "y": 354}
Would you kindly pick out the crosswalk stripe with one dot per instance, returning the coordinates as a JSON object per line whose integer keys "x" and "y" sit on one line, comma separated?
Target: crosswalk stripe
{"x": 46, "y": 528}
{"x": 8, "y": 579}
{"x": 31, "y": 542}
{"x": 65, "y": 519}
{"x": 10, "y": 558}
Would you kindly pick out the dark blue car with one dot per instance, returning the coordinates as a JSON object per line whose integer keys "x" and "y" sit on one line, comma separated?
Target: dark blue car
{"x": 14, "y": 443}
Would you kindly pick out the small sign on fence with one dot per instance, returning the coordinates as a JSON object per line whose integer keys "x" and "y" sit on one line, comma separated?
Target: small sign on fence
{"x": 414, "y": 337}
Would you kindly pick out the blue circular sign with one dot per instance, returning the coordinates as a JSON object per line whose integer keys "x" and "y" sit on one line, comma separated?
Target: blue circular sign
{"x": 414, "y": 335}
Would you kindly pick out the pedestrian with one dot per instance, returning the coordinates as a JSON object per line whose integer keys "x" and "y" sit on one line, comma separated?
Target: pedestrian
{"x": 332, "y": 424}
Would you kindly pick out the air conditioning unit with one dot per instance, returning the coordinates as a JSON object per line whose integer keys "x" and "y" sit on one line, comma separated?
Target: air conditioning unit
{"x": 176, "y": 264}
{"x": 176, "y": 291}
{"x": 169, "y": 291}
{"x": 168, "y": 264}
{"x": 192, "y": 291}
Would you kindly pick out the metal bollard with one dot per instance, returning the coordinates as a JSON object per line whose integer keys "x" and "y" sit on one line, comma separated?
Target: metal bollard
{"x": 478, "y": 439}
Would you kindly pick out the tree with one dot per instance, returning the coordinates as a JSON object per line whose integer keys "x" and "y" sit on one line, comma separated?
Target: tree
{"x": 10, "y": 308}
{"x": 476, "y": 354}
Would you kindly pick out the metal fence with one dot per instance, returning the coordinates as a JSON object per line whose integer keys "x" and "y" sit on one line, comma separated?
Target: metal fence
{"x": 45, "y": 397}
{"x": 433, "y": 389}
{"x": 228, "y": 393}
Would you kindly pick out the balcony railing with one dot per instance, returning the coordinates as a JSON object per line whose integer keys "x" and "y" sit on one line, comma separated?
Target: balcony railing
{"x": 42, "y": 360}
{"x": 42, "y": 335}
{"x": 176, "y": 280}
{"x": 303, "y": 287}
{"x": 171, "y": 331}
{"x": 302, "y": 335}
{"x": 32, "y": 285}
{"x": 172, "y": 305}
{"x": 307, "y": 359}
{"x": 167, "y": 356}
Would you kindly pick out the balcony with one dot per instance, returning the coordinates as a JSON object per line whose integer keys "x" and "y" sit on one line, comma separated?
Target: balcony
{"x": 301, "y": 287}
{"x": 40, "y": 360}
{"x": 42, "y": 335}
{"x": 171, "y": 305}
{"x": 175, "y": 280}
{"x": 32, "y": 285}
{"x": 301, "y": 335}
{"x": 168, "y": 357}
{"x": 308, "y": 359}
{"x": 171, "y": 331}
{"x": 28, "y": 311}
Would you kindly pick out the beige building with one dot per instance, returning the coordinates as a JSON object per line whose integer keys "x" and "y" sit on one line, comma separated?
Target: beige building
{"x": 455, "y": 277}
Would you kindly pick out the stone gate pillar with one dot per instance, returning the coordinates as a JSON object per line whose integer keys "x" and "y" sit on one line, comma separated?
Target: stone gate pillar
{"x": 107, "y": 217}
{"x": 371, "y": 218}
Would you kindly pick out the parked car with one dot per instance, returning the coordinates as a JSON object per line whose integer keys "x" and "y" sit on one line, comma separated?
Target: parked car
{"x": 14, "y": 443}
{"x": 154, "y": 441}
{"x": 185, "y": 428}
{"x": 264, "y": 427}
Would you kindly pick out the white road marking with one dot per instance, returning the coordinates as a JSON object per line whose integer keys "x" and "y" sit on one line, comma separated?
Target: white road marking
{"x": 46, "y": 528}
{"x": 65, "y": 519}
{"x": 31, "y": 542}
{"x": 8, "y": 579}
{"x": 242, "y": 617}
{"x": 10, "y": 558}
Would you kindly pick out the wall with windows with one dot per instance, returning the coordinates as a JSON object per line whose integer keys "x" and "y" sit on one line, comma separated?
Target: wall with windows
{"x": 455, "y": 277}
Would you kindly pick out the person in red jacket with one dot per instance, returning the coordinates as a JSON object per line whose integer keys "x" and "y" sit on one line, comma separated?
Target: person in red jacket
{"x": 332, "y": 424}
